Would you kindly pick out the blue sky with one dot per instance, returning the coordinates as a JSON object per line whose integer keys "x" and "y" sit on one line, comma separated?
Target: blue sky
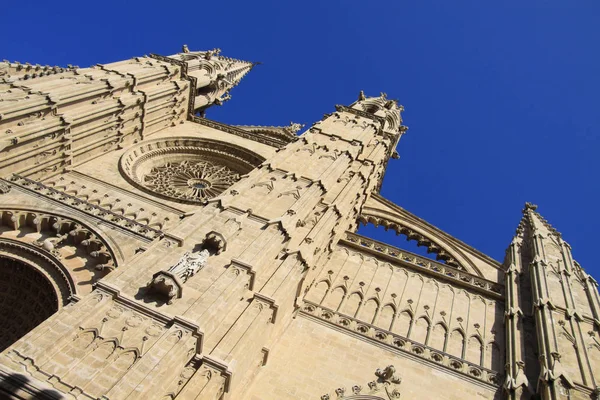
{"x": 501, "y": 97}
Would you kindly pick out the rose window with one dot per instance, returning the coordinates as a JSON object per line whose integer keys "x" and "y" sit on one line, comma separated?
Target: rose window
{"x": 186, "y": 170}
{"x": 190, "y": 180}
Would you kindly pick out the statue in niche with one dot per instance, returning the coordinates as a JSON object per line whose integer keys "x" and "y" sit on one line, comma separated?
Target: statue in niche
{"x": 170, "y": 282}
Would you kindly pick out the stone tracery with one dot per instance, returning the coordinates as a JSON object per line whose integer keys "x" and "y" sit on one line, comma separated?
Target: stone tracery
{"x": 188, "y": 170}
{"x": 195, "y": 181}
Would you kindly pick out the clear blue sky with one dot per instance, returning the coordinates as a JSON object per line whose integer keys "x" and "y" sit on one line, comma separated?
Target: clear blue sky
{"x": 501, "y": 98}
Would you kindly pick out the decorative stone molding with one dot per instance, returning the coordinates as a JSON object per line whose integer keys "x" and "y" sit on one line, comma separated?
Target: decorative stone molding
{"x": 65, "y": 230}
{"x": 215, "y": 241}
{"x": 431, "y": 245}
{"x": 382, "y": 212}
{"x": 4, "y": 187}
{"x": 269, "y": 140}
{"x": 387, "y": 384}
{"x": 186, "y": 170}
{"x": 94, "y": 210}
{"x": 279, "y": 136}
{"x": 394, "y": 342}
{"x": 438, "y": 270}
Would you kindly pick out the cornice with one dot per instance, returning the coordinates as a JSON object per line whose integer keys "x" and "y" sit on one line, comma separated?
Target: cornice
{"x": 424, "y": 265}
{"x": 237, "y": 131}
{"x": 397, "y": 344}
{"x": 92, "y": 210}
{"x": 422, "y": 222}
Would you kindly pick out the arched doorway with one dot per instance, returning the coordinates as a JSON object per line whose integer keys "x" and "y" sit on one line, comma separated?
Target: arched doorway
{"x": 27, "y": 298}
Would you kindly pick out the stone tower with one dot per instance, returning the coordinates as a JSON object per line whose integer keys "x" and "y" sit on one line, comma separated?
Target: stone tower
{"x": 148, "y": 252}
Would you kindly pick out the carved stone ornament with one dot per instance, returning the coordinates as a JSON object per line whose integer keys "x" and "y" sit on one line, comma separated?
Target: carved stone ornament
{"x": 190, "y": 180}
{"x": 4, "y": 187}
{"x": 187, "y": 170}
{"x": 386, "y": 387}
{"x": 170, "y": 282}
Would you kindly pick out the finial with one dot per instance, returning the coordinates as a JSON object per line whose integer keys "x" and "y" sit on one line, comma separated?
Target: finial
{"x": 530, "y": 206}
{"x": 214, "y": 52}
{"x": 383, "y": 95}
{"x": 185, "y": 49}
{"x": 390, "y": 104}
{"x": 361, "y": 96}
{"x": 294, "y": 127}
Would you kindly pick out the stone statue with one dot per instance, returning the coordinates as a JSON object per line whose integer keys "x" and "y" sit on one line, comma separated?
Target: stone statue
{"x": 189, "y": 264}
{"x": 185, "y": 48}
{"x": 170, "y": 282}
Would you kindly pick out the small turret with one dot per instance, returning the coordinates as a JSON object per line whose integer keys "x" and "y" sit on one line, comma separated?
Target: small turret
{"x": 382, "y": 107}
{"x": 214, "y": 75}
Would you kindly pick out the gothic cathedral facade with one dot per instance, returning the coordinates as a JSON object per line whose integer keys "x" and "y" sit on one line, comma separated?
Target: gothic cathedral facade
{"x": 147, "y": 252}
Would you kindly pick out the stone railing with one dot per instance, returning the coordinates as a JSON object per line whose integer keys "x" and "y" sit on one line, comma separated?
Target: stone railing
{"x": 396, "y": 342}
{"x": 86, "y": 207}
{"x": 435, "y": 268}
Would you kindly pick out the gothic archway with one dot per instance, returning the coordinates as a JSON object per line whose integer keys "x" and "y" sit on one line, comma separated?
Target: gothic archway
{"x": 27, "y": 298}
{"x": 46, "y": 261}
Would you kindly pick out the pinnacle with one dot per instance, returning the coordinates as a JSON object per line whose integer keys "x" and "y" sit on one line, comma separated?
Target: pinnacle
{"x": 381, "y": 106}
{"x": 534, "y": 220}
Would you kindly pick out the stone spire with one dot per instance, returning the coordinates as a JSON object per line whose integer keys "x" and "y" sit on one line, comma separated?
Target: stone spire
{"x": 214, "y": 75}
{"x": 551, "y": 298}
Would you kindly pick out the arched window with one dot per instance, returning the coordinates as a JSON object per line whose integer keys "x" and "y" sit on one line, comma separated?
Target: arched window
{"x": 437, "y": 337}
{"x": 419, "y": 331}
{"x": 402, "y": 324}
{"x": 334, "y": 299}
{"x": 386, "y": 316}
{"x": 474, "y": 347}
{"x": 456, "y": 343}
{"x": 350, "y": 307}
{"x": 317, "y": 293}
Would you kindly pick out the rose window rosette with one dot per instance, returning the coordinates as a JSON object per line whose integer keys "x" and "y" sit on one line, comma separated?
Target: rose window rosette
{"x": 185, "y": 169}
{"x": 190, "y": 180}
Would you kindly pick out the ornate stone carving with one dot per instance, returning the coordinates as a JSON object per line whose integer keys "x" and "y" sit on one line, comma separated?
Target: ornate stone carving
{"x": 187, "y": 170}
{"x": 4, "y": 187}
{"x": 170, "y": 282}
{"x": 195, "y": 181}
{"x": 396, "y": 343}
{"x": 438, "y": 269}
{"x": 388, "y": 375}
{"x": 387, "y": 384}
{"x": 63, "y": 230}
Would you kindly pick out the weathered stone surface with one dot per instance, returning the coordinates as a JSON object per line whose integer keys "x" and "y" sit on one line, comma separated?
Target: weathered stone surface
{"x": 150, "y": 253}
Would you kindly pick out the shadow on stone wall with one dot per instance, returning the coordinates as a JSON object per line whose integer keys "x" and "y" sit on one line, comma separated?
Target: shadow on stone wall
{"x": 18, "y": 386}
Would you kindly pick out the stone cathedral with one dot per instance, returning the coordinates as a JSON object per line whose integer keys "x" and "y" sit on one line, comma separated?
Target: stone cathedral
{"x": 147, "y": 252}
